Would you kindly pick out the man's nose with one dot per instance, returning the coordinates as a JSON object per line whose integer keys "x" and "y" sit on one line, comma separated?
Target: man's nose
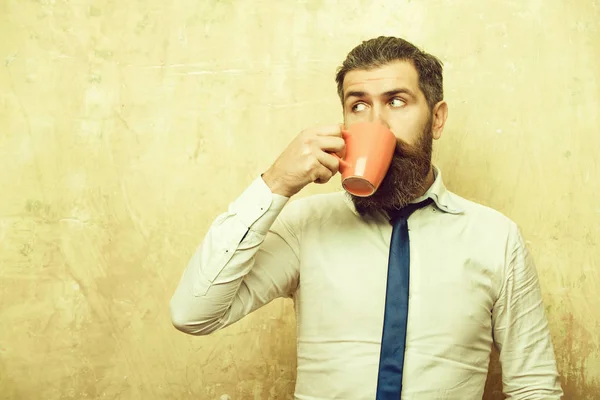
{"x": 378, "y": 115}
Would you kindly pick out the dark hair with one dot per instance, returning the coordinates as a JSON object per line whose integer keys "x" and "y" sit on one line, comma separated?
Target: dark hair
{"x": 380, "y": 51}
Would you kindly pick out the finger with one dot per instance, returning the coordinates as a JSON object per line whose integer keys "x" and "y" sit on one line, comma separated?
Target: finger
{"x": 331, "y": 144}
{"x": 328, "y": 130}
{"x": 322, "y": 175}
{"x": 329, "y": 161}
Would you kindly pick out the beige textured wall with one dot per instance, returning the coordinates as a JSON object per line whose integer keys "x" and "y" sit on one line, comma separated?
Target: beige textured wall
{"x": 127, "y": 126}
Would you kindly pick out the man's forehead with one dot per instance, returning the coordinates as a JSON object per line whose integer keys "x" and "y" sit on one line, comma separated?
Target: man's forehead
{"x": 393, "y": 74}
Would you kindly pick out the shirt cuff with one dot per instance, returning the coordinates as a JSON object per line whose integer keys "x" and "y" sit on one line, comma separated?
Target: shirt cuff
{"x": 258, "y": 207}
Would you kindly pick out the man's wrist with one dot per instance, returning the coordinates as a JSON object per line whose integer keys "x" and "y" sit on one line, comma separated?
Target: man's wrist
{"x": 274, "y": 184}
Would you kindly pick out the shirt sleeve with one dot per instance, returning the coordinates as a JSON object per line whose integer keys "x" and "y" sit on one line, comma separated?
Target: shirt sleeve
{"x": 521, "y": 332}
{"x": 248, "y": 258}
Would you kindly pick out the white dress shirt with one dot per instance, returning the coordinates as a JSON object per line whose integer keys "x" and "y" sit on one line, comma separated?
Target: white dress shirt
{"x": 472, "y": 285}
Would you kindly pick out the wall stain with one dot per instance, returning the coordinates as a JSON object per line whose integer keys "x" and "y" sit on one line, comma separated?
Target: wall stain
{"x": 573, "y": 349}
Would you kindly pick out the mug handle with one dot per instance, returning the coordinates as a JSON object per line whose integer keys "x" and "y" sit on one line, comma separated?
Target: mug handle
{"x": 343, "y": 163}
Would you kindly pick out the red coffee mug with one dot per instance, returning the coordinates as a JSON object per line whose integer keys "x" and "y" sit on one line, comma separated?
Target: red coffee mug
{"x": 369, "y": 151}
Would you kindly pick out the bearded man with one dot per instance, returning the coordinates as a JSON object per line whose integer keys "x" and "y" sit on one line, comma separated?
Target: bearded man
{"x": 380, "y": 314}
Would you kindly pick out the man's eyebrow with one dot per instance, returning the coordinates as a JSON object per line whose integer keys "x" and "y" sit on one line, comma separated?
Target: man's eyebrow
{"x": 394, "y": 92}
{"x": 389, "y": 93}
{"x": 354, "y": 93}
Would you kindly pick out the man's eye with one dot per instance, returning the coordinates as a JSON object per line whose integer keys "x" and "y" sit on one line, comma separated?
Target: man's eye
{"x": 397, "y": 102}
{"x": 358, "y": 107}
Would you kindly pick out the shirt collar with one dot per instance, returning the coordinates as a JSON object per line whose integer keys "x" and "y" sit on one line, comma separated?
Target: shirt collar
{"x": 442, "y": 198}
{"x": 440, "y": 195}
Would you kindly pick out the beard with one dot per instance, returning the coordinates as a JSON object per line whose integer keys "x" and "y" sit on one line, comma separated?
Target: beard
{"x": 405, "y": 178}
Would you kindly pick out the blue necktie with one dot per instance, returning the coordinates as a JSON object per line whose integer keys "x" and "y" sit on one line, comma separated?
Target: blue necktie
{"x": 391, "y": 360}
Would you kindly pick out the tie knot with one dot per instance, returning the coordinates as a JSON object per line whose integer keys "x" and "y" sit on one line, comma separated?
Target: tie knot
{"x": 407, "y": 210}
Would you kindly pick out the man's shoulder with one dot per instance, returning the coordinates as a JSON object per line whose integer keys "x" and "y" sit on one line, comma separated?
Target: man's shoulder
{"x": 487, "y": 231}
{"x": 482, "y": 214}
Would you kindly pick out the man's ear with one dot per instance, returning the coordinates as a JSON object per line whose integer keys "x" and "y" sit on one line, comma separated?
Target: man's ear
{"x": 438, "y": 119}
